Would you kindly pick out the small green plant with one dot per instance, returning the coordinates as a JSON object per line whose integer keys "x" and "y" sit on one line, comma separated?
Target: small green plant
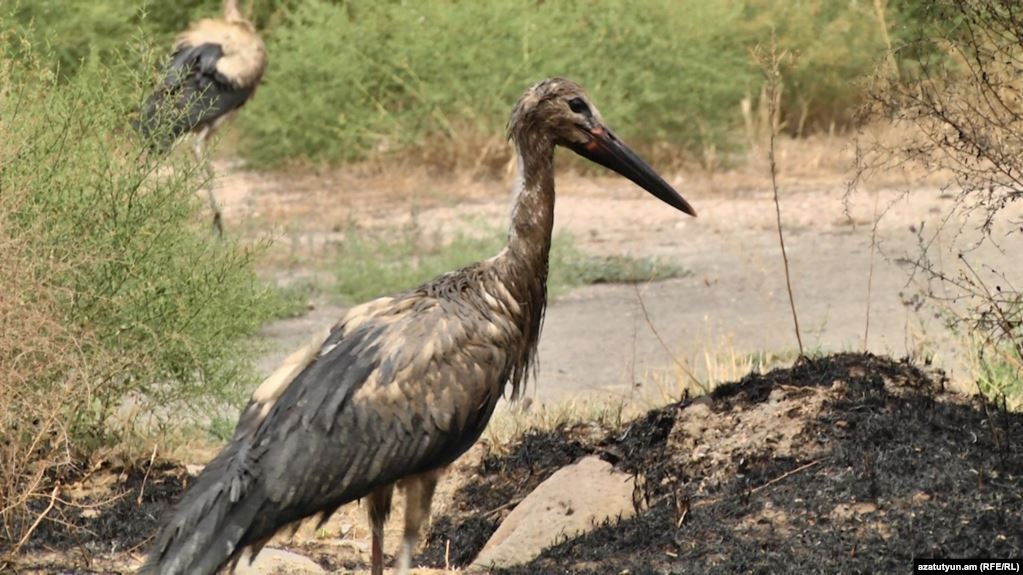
{"x": 999, "y": 375}
{"x": 375, "y": 264}
{"x": 571, "y": 267}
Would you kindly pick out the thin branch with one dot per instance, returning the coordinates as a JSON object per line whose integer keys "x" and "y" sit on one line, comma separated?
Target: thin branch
{"x": 25, "y": 537}
{"x": 784, "y": 476}
{"x": 142, "y": 488}
{"x": 870, "y": 272}
{"x": 650, "y": 324}
{"x": 772, "y": 74}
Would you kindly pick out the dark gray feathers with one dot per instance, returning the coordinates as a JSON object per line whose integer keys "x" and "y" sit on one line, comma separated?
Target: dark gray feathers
{"x": 193, "y": 94}
{"x": 397, "y": 389}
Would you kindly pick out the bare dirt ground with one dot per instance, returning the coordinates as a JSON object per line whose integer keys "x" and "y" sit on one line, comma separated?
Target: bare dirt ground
{"x": 597, "y": 339}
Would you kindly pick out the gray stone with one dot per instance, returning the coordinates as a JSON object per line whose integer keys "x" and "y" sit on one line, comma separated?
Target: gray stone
{"x": 278, "y": 562}
{"x": 571, "y": 502}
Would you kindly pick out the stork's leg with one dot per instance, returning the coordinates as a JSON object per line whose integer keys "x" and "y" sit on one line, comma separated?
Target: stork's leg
{"x": 197, "y": 149}
{"x": 379, "y": 508}
{"x": 418, "y": 497}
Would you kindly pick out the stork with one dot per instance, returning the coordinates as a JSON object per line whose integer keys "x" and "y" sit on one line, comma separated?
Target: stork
{"x": 401, "y": 386}
{"x": 214, "y": 70}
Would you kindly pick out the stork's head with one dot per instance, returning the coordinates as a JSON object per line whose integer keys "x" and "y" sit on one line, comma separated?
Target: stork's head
{"x": 559, "y": 111}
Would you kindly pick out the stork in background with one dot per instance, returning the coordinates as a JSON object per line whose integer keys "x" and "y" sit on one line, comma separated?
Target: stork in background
{"x": 214, "y": 70}
{"x": 403, "y": 385}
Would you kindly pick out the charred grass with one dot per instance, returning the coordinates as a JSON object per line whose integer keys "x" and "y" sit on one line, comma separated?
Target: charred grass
{"x": 847, "y": 462}
{"x": 104, "y": 518}
{"x": 888, "y": 468}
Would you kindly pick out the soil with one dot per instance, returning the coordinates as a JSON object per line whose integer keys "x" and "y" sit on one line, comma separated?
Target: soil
{"x": 105, "y": 519}
{"x": 847, "y": 463}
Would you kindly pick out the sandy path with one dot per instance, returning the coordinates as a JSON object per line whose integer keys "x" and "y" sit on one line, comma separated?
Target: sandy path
{"x": 596, "y": 338}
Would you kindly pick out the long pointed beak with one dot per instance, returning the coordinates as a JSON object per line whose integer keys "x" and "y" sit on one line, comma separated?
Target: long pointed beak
{"x": 607, "y": 150}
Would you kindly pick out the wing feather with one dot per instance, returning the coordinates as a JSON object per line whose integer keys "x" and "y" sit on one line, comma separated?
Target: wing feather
{"x": 371, "y": 408}
{"x": 194, "y": 92}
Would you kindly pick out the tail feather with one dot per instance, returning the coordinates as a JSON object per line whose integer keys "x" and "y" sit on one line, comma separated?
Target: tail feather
{"x": 211, "y": 525}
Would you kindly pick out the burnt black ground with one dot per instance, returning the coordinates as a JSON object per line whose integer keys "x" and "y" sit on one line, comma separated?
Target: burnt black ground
{"x": 936, "y": 475}
{"x": 136, "y": 505}
{"x": 941, "y": 475}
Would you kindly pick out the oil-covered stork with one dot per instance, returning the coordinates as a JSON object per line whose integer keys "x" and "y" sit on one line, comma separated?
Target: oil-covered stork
{"x": 402, "y": 385}
{"x": 215, "y": 68}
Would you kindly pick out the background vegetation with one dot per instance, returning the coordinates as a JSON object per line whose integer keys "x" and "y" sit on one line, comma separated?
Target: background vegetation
{"x": 375, "y": 264}
{"x": 960, "y": 101}
{"x": 117, "y": 307}
{"x": 436, "y": 79}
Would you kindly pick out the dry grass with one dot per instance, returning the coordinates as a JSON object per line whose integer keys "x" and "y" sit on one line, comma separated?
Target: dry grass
{"x": 689, "y": 377}
{"x": 34, "y": 345}
{"x": 508, "y": 425}
{"x": 706, "y": 370}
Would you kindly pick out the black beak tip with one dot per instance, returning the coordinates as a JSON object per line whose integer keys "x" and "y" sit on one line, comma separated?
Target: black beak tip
{"x": 688, "y": 209}
{"x": 668, "y": 195}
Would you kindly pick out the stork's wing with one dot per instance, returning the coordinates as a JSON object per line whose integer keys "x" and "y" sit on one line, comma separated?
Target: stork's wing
{"x": 400, "y": 389}
{"x": 193, "y": 92}
{"x": 403, "y": 392}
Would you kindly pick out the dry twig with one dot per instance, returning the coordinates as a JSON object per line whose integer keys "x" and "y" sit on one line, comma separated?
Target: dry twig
{"x": 660, "y": 340}
{"x": 784, "y": 476}
{"x": 771, "y": 66}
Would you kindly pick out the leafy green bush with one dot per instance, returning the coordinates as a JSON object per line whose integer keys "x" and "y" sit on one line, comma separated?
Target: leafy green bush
{"x": 115, "y": 243}
{"x": 347, "y": 80}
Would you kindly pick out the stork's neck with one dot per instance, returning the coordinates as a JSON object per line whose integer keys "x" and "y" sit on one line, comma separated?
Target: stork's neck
{"x": 532, "y": 217}
{"x": 523, "y": 263}
{"x": 231, "y": 11}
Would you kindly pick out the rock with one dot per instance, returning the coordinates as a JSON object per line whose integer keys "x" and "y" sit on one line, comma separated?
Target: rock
{"x": 278, "y": 562}
{"x": 569, "y": 503}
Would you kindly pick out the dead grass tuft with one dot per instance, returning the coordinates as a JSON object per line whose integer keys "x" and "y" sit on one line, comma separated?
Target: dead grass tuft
{"x": 34, "y": 345}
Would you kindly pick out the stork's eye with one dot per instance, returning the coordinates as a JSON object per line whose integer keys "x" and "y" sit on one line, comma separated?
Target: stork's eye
{"x": 578, "y": 106}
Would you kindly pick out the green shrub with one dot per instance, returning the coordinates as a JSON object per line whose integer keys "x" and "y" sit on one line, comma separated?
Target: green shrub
{"x": 347, "y": 80}
{"x": 832, "y": 45}
{"x": 116, "y": 242}
{"x": 999, "y": 374}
